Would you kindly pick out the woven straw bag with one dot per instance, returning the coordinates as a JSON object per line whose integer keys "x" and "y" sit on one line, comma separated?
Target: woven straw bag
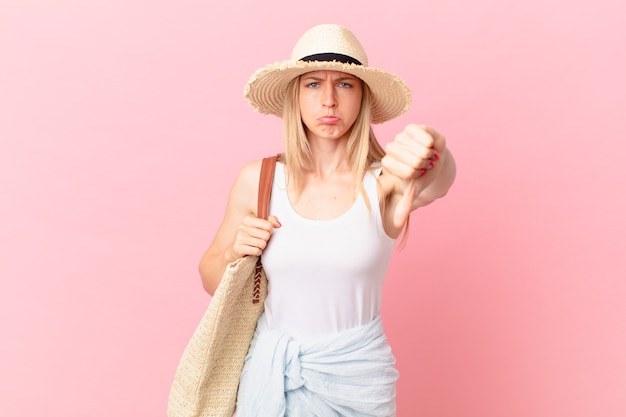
{"x": 207, "y": 377}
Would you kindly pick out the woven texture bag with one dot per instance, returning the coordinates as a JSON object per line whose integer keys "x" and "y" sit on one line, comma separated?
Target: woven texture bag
{"x": 207, "y": 377}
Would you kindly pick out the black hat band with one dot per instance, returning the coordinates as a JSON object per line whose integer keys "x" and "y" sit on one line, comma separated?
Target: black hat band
{"x": 329, "y": 56}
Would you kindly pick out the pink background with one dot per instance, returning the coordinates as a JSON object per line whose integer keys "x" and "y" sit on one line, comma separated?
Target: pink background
{"x": 122, "y": 126}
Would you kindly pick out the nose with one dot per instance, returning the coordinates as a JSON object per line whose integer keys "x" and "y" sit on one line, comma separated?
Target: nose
{"x": 329, "y": 98}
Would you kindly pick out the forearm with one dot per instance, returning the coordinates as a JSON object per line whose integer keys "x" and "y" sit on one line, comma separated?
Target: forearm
{"x": 211, "y": 269}
{"x": 222, "y": 250}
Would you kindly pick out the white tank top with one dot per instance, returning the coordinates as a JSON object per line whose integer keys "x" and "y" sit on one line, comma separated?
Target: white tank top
{"x": 325, "y": 276}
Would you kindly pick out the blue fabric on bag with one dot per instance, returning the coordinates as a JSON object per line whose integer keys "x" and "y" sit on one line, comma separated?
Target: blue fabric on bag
{"x": 346, "y": 374}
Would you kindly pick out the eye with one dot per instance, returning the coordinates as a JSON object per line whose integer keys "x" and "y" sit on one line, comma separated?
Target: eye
{"x": 313, "y": 84}
{"x": 344, "y": 84}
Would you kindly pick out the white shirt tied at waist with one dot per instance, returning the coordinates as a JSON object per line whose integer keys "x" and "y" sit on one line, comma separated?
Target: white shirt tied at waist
{"x": 351, "y": 373}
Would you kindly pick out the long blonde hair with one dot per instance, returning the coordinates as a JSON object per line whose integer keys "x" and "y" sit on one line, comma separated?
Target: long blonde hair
{"x": 363, "y": 149}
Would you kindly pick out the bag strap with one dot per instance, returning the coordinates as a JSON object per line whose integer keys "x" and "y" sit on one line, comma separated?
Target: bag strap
{"x": 265, "y": 189}
{"x": 265, "y": 185}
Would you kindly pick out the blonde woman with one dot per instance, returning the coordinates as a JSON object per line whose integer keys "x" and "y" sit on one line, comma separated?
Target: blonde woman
{"x": 339, "y": 202}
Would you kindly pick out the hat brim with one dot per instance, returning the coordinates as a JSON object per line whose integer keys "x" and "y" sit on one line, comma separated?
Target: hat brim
{"x": 266, "y": 89}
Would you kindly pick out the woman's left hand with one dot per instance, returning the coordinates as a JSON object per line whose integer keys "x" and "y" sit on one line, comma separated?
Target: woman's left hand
{"x": 413, "y": 158}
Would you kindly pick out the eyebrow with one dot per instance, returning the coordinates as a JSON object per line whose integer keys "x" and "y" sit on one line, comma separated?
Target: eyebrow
{"x": 340, "y": 78}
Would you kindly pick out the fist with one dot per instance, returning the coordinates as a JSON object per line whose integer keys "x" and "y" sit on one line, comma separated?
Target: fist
{"x": 409, "y": 158}
{"x": 413, "y": 152}
{"x": 252, "y": 235}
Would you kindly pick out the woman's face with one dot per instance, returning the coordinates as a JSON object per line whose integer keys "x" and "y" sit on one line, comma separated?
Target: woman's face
{"x": 329, "y": 103}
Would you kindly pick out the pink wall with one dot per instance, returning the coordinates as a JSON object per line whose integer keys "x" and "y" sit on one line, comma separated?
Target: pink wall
{"x": 122, "y": 125}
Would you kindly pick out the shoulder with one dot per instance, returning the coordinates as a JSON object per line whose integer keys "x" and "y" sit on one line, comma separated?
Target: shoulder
{"x": 249, "y": 173}
{"x": 244, "y": 192}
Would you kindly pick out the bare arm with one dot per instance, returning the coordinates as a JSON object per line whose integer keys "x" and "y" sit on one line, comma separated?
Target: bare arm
{"x": 241, "y": 232}
{"x": 417, "y": 170}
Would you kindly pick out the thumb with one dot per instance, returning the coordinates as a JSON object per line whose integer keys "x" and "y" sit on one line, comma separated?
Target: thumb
{"x": 403, "y": 209}
{"x": 274, "y": 221}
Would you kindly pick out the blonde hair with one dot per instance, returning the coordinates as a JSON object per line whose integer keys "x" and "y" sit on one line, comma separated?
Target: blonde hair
{"x": 363, "y": 149}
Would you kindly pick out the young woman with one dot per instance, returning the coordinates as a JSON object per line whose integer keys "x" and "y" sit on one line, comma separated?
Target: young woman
{"x": 339, "y": 202}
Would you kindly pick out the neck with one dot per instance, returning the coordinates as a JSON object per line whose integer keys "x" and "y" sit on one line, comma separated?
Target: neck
{"x": 328, "y": 156}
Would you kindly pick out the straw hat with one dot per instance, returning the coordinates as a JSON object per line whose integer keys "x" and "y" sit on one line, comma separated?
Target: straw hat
{"x": 328, "y": 47}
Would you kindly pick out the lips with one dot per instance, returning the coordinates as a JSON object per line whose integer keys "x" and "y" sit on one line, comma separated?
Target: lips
{"x": 329, "y": 120}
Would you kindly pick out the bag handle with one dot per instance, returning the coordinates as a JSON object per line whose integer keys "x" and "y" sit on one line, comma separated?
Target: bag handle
{"x": 265, "y": 185}
{"x": 265, "y": 189}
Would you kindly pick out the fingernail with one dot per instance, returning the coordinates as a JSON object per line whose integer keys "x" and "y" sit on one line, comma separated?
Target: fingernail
{"x": 423, "y": 171}
{"x": 436, "y": 156}
{"x": 431, "y": 164}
